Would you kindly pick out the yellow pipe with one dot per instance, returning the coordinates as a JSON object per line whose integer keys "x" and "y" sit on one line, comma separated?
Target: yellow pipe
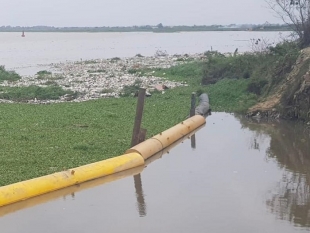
{"x": 34, "y": 187}
{"x": 166, "y": 150}
{"x": 147, "y": 148}
{"x": 150, "y": 147}
{"x": 71, "y": 190}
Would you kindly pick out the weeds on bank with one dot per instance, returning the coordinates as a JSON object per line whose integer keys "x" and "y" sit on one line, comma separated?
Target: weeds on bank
{"x": 22, "y": 94}
{"x": 191, "y": 73}
{"x": 236, "y": 82}
{"x": 265, "y": 69}
{"x": 130, "y": 90}
{"x": 44, "y": 74}
{"x": 8, "y": 75}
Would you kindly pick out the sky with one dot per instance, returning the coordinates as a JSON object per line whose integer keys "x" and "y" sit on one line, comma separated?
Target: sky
{"x": 92, "y": 13}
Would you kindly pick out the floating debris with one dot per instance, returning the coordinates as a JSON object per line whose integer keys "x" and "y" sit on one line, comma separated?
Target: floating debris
{"x": 102, "y": 78}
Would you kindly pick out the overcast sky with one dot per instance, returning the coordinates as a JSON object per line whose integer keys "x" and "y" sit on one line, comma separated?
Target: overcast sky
{"x": 133, "y": 12}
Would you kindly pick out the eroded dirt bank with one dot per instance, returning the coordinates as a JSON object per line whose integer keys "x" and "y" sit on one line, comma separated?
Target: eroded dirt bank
{"x": 291, "y": 98}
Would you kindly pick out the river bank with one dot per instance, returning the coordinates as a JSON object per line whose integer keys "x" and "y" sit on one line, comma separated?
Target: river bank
{"x": 54, "y": 137}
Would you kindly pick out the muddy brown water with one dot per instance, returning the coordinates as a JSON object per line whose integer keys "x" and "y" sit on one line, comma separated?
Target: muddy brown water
{"x": 242, "y": 177}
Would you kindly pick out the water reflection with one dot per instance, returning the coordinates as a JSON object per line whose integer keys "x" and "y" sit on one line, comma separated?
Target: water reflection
{"x": 68, "y": 193}
{"x": 141, "y": 204}
{"x": 140, "y": 196}
{"x": 290, "y": 148}
{"x": 193, "y": 141}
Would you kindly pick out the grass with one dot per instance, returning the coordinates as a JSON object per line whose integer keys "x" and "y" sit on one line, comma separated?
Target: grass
{"x": 190, "y": 73}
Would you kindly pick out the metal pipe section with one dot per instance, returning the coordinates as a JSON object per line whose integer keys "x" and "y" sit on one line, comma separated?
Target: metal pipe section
{"x": 204, "y": 106}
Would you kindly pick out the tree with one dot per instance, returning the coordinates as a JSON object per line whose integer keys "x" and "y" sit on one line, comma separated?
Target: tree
{"x": 296, "y": 14}
{"x": 160, "y": 25}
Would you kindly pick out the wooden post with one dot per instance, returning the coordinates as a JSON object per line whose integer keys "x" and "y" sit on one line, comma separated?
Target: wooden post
{"x": 139, "y": 195}
{"x": 138, "y": 119}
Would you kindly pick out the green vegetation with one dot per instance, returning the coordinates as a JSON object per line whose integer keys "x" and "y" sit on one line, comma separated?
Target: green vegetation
{"x": 44, "y": 74}
{"x": 115, "y": 59}
{"x": 131, "y": 90}
{"x": 190, "y": 73}
{"x": 265, "y": 69}
{"x": 50, "y": 83}
{"x": 107, "y": 90}
{"x": 8, "y": 75}
{"x": 22, "y": 94}
{"x": 96, "y": 71}
{"x": 90, "y": 62}
{"x": 227, "y": 94}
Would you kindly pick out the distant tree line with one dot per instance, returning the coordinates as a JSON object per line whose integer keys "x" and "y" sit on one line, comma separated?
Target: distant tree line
{"x": 148, "y": 28}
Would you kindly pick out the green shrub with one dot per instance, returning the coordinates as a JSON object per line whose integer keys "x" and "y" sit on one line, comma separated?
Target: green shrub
{"x": 130, "y": 90}
{"x": 132, "y": 71}
{"x": 8, "y": 75}
{"x": 219, "y": 67}
{"x": 257, "y": 86}
{"x": 115, "y": 59}
{"x": 107, "y": 90}
{"x": 96, "y": 71}
{"x": 44, "y": 72}
{"x": 50, "y": 82}
{"x": 265, "y": 69}
{"x": 31, "y": 92}
{"x": 90, "y": 62}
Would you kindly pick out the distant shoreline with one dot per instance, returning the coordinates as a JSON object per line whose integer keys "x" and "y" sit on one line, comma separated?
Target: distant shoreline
{"x": 154, "y": 29}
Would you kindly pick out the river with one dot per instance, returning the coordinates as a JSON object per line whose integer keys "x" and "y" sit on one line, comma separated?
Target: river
{"x": 35, "y": 51}
{"x": 242, "y": 176}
